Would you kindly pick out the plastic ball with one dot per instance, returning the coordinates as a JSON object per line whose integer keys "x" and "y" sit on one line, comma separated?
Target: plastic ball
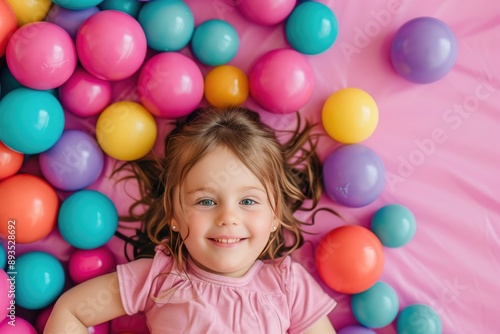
{"x": 394, "y": 225}
{"x": 353, "y": 175}
{"x": 85, "y": 95}
{"x": 77, "y": 4}
{"x": 85, "y": 264}
{"x": 266, "y": 12}
{"x": 376, "y": 307}
{"x": 170, "y": 85}
{"x": 8, "y": 24}
{"x": 87, "y": 219}
{"x": 125, "y": 130}
{"x": 350, "y": 115}
{"x": 28, "y": 11}
{"x": 3, "y": 256}
{"x": 311, "y": 28}
{"x": 355, "y": 329}
{"x": 10, "y": 161}
{"x": 42, "y": 318}
{"x": 69, "y": 20}
{"x": 419, "y": 318}
{"x": 350, "y": 259}
{"x": 423, "y": 50}
{"x": 168, "y": 24}
{"x": 31, "y": 121}
{"x": 39, "y": 280}
{"x": 7, "y": 291}
{"x": 22, "y": 327}
{"x": 215, "y": 42}
{"x": 131, "y": 7}
{"x": 226, "y": 86}
{"x": 282, "y": 81}
{"x": 74, "y": 162}
{"x": 102, "y": 328}
{"x": 41, "y": 55}
{"x": 31, "y": 203}
{"x": 111, "y": 45}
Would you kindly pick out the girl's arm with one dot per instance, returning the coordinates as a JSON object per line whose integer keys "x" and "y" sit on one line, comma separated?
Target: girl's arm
{"x": 322, "y": 326}
{"x": 87, "y": 304}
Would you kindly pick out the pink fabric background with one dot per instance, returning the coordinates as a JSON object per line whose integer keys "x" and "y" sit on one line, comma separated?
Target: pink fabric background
{"x": 453, "y": 188}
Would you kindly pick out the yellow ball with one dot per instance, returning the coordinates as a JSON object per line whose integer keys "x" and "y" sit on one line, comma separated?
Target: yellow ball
{"x": 28, "y": 11}
{"x": 350, "y": 115}
{"x": 125, "y": 130}
{"x": 226, "y": 86}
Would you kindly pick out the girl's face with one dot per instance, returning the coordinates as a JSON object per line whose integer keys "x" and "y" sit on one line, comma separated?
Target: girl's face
{"x": 226, "y": 219}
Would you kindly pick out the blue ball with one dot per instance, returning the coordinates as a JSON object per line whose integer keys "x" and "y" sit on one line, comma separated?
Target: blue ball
{"x": 311, "y": 28}
{"x": 376, "y": 307}
{"x": 31, "y": 121}
{"x": 215, "y": 42}
{"x": 39, "y": 280}
{"x": 87, "y": 219}
{"x": 3, "y": 255}
{"x": 131, "y": 7}
{"x": 168, "y": 24}
{"x": 394, "y": 225}
{"x": 77, "y": 4}
{"x": 419, "y": 318}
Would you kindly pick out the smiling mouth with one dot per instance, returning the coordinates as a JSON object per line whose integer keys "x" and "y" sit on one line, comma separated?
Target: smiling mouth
{"x": 227, "y": 241}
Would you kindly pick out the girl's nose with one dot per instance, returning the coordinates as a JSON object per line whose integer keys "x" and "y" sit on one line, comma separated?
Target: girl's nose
{"x": 227, "y": 216}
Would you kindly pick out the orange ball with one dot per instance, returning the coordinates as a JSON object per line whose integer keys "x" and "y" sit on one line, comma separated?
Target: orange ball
{"x": 10, "y": 161}
{"x": 350, "y": 259}
{"x": 28, "y": 210}
{"x": 226, "y": 86}
{"x": 8, "y": 24}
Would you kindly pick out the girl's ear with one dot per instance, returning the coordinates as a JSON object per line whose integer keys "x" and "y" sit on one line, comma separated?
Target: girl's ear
{"x": 173, "y": 225}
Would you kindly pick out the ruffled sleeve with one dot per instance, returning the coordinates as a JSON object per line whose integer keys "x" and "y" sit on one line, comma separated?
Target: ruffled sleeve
{"x": 308, "y": 302}
{"x": 136, "y": 279}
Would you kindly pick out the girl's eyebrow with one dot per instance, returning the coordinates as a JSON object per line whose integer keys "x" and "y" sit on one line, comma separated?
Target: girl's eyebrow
{"x": 212, "y": 190}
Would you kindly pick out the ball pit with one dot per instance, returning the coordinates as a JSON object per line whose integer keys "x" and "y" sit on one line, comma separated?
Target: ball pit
{"x": 449, "y": 126}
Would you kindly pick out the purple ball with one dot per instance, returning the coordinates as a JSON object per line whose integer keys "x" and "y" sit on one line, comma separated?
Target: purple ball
{"x": 69, "y": 20}
{"x": 355, "y": 329}
{"x": 353, "y": 175}
{"x": 74, "y": 162}
{"x": 423, "y": 50}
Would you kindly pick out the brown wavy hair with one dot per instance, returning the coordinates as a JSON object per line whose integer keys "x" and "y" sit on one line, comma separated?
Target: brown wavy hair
{"x": 290, "y": 170}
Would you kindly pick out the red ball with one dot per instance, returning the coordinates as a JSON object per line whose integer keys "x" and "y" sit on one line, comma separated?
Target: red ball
{"x": 350, "y": 259}
{"x": 85, "y": 264}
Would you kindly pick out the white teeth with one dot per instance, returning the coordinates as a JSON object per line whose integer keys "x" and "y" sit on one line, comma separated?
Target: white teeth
{"x": 227, "y": 241}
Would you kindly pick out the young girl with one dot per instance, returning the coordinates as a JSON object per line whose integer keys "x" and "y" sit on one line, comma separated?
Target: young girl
{"x": 219, "y": 217}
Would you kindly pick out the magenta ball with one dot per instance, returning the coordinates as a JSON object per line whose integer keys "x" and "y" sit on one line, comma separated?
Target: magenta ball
{"x": 41, "y": 319}
{"x": 22, "y": 327}
{"x": 170, "y": 85}
{"x": 5, "y": 297}
{"x": 424, "y": 50}
{"x": 41, "y": 55}
{"x": 85, "y": 95}
{"x": 355, "y": 329}
{"x": 266, "y": 12}
{"x": 102, "y": 328}
{"x": 353, "y": 175}
{"x": 74, "y": 162}
{"x": 85, "y": 264}
{"x": 111, "y": 45}
{"x": 69, "y": 20}
{"x": 282, "y": 81}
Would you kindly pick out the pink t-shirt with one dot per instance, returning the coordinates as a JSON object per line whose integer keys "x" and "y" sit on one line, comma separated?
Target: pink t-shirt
{"x": 272, "y": 297}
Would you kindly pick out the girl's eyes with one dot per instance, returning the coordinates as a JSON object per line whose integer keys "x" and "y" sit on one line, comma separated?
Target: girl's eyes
{"x": 248, "y": 201}
{"x": 206, "y": 202}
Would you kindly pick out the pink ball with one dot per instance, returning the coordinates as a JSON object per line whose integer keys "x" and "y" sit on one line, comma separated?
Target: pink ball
{"x": 170, "y": 85}
{"x": 85, "y": 264}
{"x": 266, "y": 12}
{"x": 42, "y": 318}
{"x": 99, "y": 329}
{"x": 111, "y": 45}
{"x": 21, "y": 327}
{"x": 281, "y": 81}
{"x": 5, "y": 296}
{"x": 41, "y": 55}
{"x": 85, "y": 95}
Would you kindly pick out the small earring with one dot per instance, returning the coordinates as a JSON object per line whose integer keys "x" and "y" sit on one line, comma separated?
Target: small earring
{"x": 174, "y": 227}
{"x": 274, "y": 228}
